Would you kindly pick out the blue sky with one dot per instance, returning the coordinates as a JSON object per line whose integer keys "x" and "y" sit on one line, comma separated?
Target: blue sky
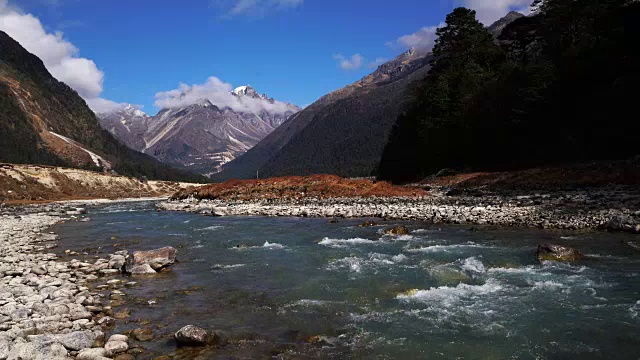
{"x": 289, "y": 49}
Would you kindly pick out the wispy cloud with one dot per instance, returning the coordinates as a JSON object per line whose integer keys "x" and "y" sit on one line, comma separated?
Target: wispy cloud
{"x": 487, "y": 12}
{"x": 490, "y": 11}
{"x": 218, "y": 93}
{"x": 354, "y": 62}
{"x": 58, "y": 55}
{"x": 254, "y": 8}
{"x": 423, "y": 39}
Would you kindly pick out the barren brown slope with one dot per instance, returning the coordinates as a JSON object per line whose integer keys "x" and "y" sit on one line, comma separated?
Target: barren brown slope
{"x": 298, "y": 187}
{"x": 36, "y": 183}
{"x": 594, "y": 174}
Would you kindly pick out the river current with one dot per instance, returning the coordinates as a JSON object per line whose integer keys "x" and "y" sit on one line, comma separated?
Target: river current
{"x": 305, "y": 287}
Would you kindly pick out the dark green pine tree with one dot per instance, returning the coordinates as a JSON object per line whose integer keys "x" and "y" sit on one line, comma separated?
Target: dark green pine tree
{"x": 434, "y": 133}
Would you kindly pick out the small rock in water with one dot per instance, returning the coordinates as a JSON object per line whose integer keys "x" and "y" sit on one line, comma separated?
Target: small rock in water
{"x": 368, "y": 223}
{"x": 191, "y": 335}
{"x": 141, "y": 269}
{"x": 557, "y": 253}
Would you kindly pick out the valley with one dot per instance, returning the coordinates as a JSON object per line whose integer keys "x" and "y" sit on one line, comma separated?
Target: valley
{"x": 452, "y": 180}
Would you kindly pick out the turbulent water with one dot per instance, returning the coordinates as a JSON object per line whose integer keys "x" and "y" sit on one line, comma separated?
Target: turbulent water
{"x": 307, "y": 287}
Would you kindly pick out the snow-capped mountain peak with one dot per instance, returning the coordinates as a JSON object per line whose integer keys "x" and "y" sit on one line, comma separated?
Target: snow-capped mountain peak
{"x": 134, "y": 111}
{"x": 203, "y": 133}
{"x": 241, "y": 90}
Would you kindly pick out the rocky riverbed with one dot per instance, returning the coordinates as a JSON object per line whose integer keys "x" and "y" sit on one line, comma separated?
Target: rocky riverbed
{"x": 53, "y": 309}
{"x": 612, "y": 208}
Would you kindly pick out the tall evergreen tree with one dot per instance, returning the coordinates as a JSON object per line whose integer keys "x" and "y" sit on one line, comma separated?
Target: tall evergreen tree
{"x": 465, "y": 57}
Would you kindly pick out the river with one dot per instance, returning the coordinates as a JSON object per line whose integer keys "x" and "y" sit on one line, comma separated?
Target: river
{"x": 305, "y": 287}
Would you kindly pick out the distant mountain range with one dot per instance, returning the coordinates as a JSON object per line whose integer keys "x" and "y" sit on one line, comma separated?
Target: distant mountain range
{"x": 203, "y": 136}
{"x": 44, "y": 121}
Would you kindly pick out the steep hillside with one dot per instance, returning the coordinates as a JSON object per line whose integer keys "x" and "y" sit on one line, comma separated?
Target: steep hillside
{"x": 44, "y": 121}
{"x": 342, "y": 133}
{"x": 204, "y": 135}
{"x": 31, "y": 183}
{"x": 557, "y": 87}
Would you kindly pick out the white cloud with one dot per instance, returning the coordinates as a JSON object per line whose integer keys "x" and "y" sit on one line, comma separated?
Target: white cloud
{"x": 101, "y": 105}
{"x": 255, "y": 7}
{"x": 489, "y": 12}
{"x": 351, "y": 63}
{"x": 422, "y": 40}
{"x": 58, "y": 55}
{"x": 377, "y": 62}
{"x": 218, "y": 93}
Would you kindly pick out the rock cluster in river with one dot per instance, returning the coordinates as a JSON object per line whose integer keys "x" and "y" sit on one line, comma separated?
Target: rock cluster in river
{"x": 149, "y": 262}
{"x": 613, "y": 208}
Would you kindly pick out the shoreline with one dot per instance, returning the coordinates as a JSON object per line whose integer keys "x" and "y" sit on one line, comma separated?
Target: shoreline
{"x": 615, "y": 208}
{"x": 50, "y": 307}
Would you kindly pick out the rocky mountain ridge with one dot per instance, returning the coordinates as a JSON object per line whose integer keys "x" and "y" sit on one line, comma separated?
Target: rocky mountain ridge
{"x": 202, "y": 136}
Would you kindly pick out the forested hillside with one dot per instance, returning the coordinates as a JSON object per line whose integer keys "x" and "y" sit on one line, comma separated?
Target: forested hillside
{"x": 558, "y": 86}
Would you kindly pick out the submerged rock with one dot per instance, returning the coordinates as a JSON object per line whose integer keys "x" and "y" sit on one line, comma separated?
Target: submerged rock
{"x": 557, "y": 253}
{"x": 397, "y": 230}
{"x": 140, "y": 269}
{"x": 142, "y": 334}
{"x": 155, "y": 259}
{"x": 634, "y": 244}
{"x": 191, "y": 335}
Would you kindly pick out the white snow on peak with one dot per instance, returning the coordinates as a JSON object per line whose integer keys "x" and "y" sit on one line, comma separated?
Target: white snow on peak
{"x": 241, "y": 90}
{"x": 204, "y": 103}
{"x": 134, "y": 110}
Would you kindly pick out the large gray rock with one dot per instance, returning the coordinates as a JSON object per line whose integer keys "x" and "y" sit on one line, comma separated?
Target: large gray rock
{"x": 93, "y": 354}
{"x": 156, "y": 259}
{"x": 191, "y": 335}
{"x": 78, "y": 340}
{"x": 77, "y": 312}
{"x": 116, "y": 347}
{"x": 621, "y": 223}
{"x": 5, "y": 347}
{"x": 117, "y": 262}
{"x": 557, "y": 253}
{"x": 39, "y": 270}
{"x": 41, "y": 348}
